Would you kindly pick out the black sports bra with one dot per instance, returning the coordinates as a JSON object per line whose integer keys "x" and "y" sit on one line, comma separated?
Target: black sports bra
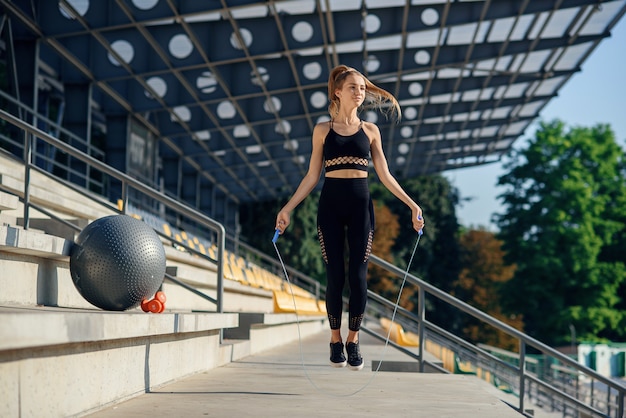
{"x": 346, "y": 152}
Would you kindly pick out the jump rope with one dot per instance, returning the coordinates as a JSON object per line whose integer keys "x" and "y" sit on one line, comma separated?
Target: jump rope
{"x": 393, "y": 317}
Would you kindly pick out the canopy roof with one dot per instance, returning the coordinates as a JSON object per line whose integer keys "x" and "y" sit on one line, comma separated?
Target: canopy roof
{"x": 234, "y": 88}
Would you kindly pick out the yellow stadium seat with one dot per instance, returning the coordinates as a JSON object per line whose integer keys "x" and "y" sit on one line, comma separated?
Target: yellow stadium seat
{"x": 398, "y": 335}
{"x": 284, "y": 303}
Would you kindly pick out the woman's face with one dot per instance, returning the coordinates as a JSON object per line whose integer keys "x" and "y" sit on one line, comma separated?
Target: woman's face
{"x": 352, "y": 91}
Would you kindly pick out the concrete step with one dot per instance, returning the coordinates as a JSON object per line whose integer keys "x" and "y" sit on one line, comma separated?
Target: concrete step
{"x": 8, "y": 201}
{"x": 64, "y": 362}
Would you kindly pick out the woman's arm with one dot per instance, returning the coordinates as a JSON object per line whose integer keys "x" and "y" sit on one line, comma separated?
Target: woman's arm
{"x": 388, "y": 180}
{"x": 309, "y": 181}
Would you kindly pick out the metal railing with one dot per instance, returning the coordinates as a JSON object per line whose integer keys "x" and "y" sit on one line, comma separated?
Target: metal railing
{"x": 127, "y": 183}
{"x": 525, "y": 382}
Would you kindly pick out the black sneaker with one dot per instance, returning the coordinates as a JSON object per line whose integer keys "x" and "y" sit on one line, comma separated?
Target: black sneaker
{"x": 337, "y": 359}
{"x": 355, "y": 361}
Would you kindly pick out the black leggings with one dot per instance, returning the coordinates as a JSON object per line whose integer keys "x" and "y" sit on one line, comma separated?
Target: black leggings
{"x": 345, "y": 211}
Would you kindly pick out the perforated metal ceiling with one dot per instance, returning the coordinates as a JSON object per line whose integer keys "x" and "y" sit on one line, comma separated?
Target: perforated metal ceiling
{"x": 234, "y": 88}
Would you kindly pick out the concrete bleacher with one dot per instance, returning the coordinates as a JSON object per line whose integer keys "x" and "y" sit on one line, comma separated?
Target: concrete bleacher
{"x": 61, "y": 356}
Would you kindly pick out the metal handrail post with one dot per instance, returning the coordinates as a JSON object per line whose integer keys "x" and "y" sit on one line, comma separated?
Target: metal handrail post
{"x": 28, "y": 154}
{"x": 522, "y": 374}
{"x": 420, "y": 325}
{"x": 221, "y": 245}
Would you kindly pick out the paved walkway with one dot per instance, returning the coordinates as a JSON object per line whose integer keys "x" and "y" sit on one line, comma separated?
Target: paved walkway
{"x": 282, "y": 382}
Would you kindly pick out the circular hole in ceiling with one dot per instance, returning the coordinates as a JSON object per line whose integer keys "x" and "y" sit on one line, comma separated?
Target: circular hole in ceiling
{"x": 323, "y": 118}
{"x": 283, "y": 127}
{"x": 400, "y": 160}
{"x": 430, "y": 16}
{"x": 253, "y": 149}
{"x": 183, "y": 113}
{"x": 410, "y": 113}
{"x": 180, "y": 46}
{"x": 204, "y": 135}
{"x": 206, "y": 82}
{"x": 371, "y": 23}
{"x": 246, "y": 37}
{"x": 302, "y": 31}
{"x": 403, "y": 148}
{"x": 145, "y": 4}
{"x": 158, "y": 85}
{"x": 371, "y": 64}
{"x": 291, "y": 145}
{"x": 125, "y": 51}
{"x": 422, "y": 57}
{"x": 312, "y": 70}
{"x": 318, "y": 100}
{"x": 81, "y": 7}
{"x": 415, "y": 89}
{"x": 241, "y": 131}
{"x": 226, "y": 110}
{"x": 262, "y": 77}
{"x": 406, "y": 132}
{"x": 272, "y": 105}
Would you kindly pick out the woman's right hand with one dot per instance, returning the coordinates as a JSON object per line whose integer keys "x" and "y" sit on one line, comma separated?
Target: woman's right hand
{"x": 282, "y": 221}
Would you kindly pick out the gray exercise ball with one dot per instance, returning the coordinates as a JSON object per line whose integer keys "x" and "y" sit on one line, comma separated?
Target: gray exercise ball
{"x": 116, "y": 262}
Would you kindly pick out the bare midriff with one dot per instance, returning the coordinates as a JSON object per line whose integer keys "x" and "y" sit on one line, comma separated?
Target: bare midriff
{"x": 346, "y": 174}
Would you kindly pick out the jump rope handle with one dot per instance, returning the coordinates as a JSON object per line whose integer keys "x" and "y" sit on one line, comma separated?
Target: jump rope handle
{"x": 277, "y": 232}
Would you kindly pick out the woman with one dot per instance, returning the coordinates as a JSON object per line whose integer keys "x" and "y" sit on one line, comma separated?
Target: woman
{"x": 343, "y": 146}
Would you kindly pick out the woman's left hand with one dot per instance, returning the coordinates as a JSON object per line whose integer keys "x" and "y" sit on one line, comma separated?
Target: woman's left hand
{"x": 418, "y": 218}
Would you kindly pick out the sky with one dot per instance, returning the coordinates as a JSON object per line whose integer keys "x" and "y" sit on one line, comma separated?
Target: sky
{"x": 597, "y": 94}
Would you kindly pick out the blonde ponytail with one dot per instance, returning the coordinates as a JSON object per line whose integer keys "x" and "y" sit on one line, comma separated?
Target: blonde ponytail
{"x": 377, "y": 97}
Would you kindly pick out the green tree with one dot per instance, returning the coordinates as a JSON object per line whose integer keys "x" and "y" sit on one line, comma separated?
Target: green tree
{"x": 565, "y": 219}
{"x": 480, "y": 284}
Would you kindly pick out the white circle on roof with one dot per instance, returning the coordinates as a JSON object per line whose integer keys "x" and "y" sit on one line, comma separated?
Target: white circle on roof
{"x": 262, "y": 78}
{"x": 302, "y": 31}
{"x": 371, "y": 23}
{"x": 272, "y": 105}
{"x": 182, "y": 112}
{"x": 246, "y": 36}
{"x": 226, "y": 110}
{"x": 318, "y": 100}
{"x": 422, "y": 57}
{"x": 312, "y": 70}
{"x": 400, "y": 160}
{"x": 206, "y": 82}
{"x": 204, "y": 135}
{"x": 371, "y": 116}
{"x": 291, "y": 145}
{"x": 158, "y": 85}
{"x": 406, "y": 132}
{"x": 241, "y": 131}
{"x": 323, "y": 118}
{"x": 180, "y": 46}
{"x": 145, "y": 4}
{"x": 371, "y": 64}
{"x": 410, "y": 112}
{"x": 430, "y": 16}
{"x": 125, "y": 51}
{"x": 81, "y": 7}
{"x": 284, "y": 127}
{"x": 415, "y": 89}
{"x": 403, "y": 148}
